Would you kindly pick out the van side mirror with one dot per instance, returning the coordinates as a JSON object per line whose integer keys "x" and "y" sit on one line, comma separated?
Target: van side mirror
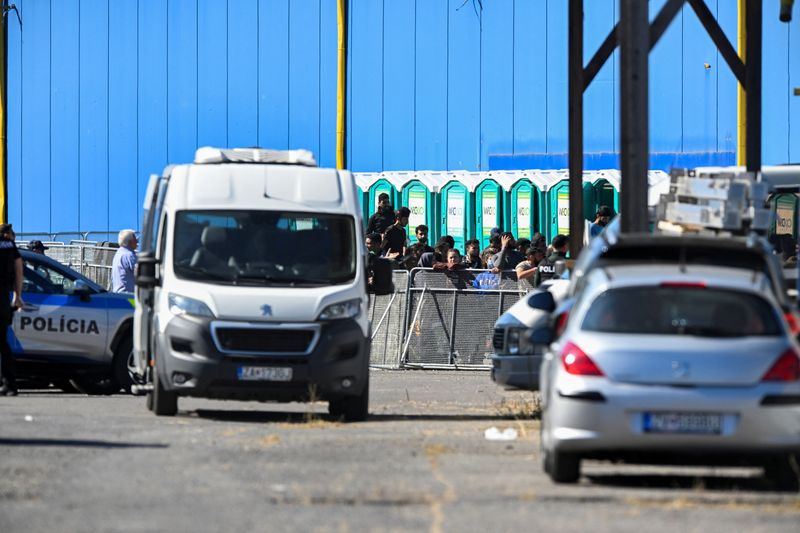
{"x": 542, "y": 301}
{"x": 542, "y": 335}
{"x": 146, "y": 271}
{"x": 381, "y": 282}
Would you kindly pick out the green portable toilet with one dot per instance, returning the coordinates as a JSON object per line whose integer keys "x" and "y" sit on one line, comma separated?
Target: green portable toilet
{"x": 525, "y": 205}
{"x": 456, "y": 203}
{"x": 418, "y": 198}
{"x": 518, "y": 203}
{"x": 372, "y": 185}
{"x": 600, "y": 187}
{"x": 785, "y": 207}
{"x": 489, "y": 206}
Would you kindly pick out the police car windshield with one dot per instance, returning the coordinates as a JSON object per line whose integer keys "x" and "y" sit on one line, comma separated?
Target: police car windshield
{"x": 265, "y": 247}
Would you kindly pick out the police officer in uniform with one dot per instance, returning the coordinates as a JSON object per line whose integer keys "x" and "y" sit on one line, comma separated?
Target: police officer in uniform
{"x": 10, "y": 280}
{"x": 546, "y": 269}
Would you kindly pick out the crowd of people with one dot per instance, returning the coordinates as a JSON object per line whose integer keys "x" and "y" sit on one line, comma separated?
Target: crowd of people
{"x": 533, "y": 260}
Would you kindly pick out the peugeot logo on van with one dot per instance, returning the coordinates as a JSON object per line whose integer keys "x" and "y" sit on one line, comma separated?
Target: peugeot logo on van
{"x": 266, "y": 310}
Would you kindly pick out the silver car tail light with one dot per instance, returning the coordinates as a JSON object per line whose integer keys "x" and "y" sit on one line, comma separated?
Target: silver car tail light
{"x": 786, "y": 368}
{"x": 576, "y": 361}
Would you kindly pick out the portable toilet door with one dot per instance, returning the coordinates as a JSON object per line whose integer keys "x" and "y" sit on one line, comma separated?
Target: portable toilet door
{"x": 559, "y": 210}
{"x": 489, "y": 207}
{"x": 419, "y": 200}
{"x": 375, "y": 190}
{"x": 456, "y": 204}
{"x": 785, "y": 214}
{"x": 523, "y": 210}
{"x": 598, "y": 193}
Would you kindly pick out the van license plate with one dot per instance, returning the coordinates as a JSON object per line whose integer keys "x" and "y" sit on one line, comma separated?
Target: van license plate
{"x": 693, "y": 423}
{"x": 264, "y": 373}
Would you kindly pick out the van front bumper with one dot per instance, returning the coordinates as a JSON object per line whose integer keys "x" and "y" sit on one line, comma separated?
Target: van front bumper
{"x": 518, "y": 371}
{"x": 190, "y": 363}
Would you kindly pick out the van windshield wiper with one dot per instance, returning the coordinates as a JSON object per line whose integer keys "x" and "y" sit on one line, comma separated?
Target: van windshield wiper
{"x": 289, "y": 280}
{"x": 208, "y": 274}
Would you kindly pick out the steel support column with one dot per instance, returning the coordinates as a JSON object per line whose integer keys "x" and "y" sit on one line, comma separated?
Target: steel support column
{"x": 634, "y": 37}
{"x": 752, "y": 85}
{"x": 576, "y": 223}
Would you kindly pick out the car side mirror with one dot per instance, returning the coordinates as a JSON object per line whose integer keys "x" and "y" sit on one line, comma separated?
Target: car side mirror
{"x": 82, "y": 290}
{"x": 542, "y": 335}
{"x": 146, "y": 271}
{"x": 543, "y": 301}
{"x": 381, "y": 283}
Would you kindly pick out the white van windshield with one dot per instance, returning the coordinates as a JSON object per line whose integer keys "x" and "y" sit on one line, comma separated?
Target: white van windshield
{"x": 264, "y": 247}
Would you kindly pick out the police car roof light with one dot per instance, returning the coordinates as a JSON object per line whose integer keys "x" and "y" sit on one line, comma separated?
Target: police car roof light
{"x": 208, "y": 155}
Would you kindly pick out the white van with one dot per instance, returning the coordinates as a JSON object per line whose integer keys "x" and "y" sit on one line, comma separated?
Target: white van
{"x": 252, "y": 283}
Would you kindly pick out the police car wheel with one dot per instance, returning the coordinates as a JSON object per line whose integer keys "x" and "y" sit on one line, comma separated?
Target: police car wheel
{"x": 165, "y": 403}
{"x": 120, "y": 364}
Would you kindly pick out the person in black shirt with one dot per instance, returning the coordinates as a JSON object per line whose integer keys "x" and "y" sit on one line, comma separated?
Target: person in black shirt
{"x": 472, "y": 258}
{"x": 546, "y": 269}
{"x": 10, "y": 280}
{"x": 394, "y": 240}
{"x": 383, "y": 217}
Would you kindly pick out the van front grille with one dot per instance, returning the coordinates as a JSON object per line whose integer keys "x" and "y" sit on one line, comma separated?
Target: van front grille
{"x": 264, "y": 340}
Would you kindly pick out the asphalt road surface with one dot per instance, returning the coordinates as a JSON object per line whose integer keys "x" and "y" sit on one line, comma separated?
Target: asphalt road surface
{"x": 421, "y": 463}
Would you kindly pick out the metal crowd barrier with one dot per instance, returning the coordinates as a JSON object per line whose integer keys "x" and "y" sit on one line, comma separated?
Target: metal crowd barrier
{"x": 92, "y": 261}
{"x": 441, "y": 319}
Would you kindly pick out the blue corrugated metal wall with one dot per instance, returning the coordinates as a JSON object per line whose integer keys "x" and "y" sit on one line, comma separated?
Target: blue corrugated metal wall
{"x": 101, "y": 93}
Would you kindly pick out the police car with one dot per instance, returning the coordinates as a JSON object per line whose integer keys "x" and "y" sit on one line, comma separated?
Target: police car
{"x": 71, "y": 331}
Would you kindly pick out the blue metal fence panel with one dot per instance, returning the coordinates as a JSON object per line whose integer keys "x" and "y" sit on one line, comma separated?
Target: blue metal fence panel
{"x": 497, "y": 80}
{"x": 431, "y": 85}
{"x": 399, "y": 56}
{"x": 775, "y": 102}
{"x": 64, "y": 118}
{"x": 212, "y": 75}
{"x": 530, "y": 77}
{"x": 93, "y": 102}
{"x": 666, "y": 87}
{"x": 328, "y": 76}
{"x": 273, "y": 90}
{"x": 181, "y": 80}
{"x": 598, "y": 100}
{"x": 124, "y": 177}
{"x": 36, "y": 126}
{"x": 463, "y": 85}
{"x": 243, "y": 53}
{"x": 366, "y": 104}
{"x": 304, "y": 83}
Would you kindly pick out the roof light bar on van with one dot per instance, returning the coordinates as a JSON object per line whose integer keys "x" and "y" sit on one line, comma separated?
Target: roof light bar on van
{"x": 208, "y": 155}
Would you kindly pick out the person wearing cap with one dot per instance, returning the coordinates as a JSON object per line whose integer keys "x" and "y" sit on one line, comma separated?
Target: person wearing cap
{"x": 124, "y": 262}
{"x": 526, "y": 270}
{"x": 10, "y": 280}
{"x": 601, "y": 220}
{"x": 383, "y": 217}
{"x": 37, "y": 247}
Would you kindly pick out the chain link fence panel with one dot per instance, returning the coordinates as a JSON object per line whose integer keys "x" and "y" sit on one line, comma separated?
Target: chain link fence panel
{"x": 386, "y": 313}
{"x": 451, "y": 316}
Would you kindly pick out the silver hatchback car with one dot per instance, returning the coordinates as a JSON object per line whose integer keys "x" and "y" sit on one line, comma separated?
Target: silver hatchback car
{"x": 671, "y": 363}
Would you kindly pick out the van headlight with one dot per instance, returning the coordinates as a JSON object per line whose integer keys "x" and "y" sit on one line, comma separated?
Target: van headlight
{"x": 348, "y": 309}
{"x": 183, "y": 305}
{"x": 517, "y": 342}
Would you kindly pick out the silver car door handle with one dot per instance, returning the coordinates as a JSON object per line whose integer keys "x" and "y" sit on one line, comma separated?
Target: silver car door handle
{"x": 30, "y": 307}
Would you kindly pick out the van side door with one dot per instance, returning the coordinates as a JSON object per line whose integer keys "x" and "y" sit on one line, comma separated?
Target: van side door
{"x": 143, "y": 314}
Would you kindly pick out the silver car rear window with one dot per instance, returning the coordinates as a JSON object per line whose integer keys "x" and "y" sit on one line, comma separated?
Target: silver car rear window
{"x": 677, "y": 310}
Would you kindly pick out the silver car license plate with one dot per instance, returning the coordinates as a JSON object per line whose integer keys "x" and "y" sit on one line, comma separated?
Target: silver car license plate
{"x": 264, "y": 373}
{"x": 692, "y": 423}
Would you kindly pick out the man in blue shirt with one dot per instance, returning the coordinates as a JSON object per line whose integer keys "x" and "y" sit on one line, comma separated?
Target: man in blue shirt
{"x": 124, "y": 262}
